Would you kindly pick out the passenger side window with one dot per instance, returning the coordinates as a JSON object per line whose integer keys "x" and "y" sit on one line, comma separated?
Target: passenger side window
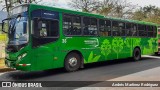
{"x": 47, "y": 28}
{"x": 122, "y": 30}
{"x": 105, "y": 27}
{"x": 67, "y": 20}
{"x": 142, "y": 30}
{"x": 90, "y": 26}
{"x": 115, "y": 28}
{"x": 131, "y": 29}
{"x": 44, "y": 31}
{"x": 154, "y": 31}
{"x": 118, "y": 28}
{"x": 71, "y": 25}
{"x": 150, "y": 31}
{"x": 76, "y": 25}
{"x": 134, "y": 31}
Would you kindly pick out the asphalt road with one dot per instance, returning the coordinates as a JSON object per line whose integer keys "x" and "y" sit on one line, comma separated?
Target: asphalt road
{"x": 93, "y": 72}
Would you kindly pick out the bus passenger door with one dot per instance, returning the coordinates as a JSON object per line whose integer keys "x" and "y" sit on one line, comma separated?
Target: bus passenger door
{"x": 45, "y": 35}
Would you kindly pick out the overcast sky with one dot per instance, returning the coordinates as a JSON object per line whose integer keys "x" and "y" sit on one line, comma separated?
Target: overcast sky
{"x": 63, "y": 3}
{"x": 145, "y": 2}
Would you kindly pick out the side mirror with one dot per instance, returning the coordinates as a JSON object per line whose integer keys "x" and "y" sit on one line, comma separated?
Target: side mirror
{"x": 5, "y": 26}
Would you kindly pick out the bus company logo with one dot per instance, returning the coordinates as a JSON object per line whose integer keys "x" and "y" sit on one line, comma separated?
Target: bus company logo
{"x": 94, "y": 42}
{"x": 6, "y": 84}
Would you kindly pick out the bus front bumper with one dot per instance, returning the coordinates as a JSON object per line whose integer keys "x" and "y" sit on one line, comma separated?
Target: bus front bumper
{"x": 14, "y": 65}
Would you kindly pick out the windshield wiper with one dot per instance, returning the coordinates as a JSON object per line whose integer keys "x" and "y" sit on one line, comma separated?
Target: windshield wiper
{"x": 13, "y": 27}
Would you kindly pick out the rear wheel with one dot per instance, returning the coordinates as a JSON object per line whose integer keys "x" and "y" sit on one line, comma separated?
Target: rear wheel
{"x": 136, "y": 54}
{"x": 72, "y": 62}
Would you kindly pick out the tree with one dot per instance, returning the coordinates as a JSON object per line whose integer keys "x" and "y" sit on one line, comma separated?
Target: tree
{"x": 114, "y": 8}
{"x": 138, "y": 15}
{"x": 106, "y": 7}
{"x": 85, "y": 5}
{"x": 8, "y": 4}
{"x": 148, "y": 13}
{"x": 123, "y": 9}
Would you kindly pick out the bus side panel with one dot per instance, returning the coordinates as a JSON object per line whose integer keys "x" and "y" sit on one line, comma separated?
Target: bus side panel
{"x": 149, "y": 45}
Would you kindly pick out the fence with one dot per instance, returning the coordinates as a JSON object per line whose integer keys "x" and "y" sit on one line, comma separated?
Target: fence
{"x": 3, "y": 38}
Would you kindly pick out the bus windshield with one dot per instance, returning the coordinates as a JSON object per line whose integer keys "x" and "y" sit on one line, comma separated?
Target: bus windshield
{"x": 18, "y": 30}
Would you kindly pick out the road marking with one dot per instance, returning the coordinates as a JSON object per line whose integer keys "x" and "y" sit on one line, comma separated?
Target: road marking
{"x": 151, "y": 56}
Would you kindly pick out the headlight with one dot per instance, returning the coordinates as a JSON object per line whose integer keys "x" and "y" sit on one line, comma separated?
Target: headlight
{"x": 19, "y": 57}
{"x": 22, "y": 56}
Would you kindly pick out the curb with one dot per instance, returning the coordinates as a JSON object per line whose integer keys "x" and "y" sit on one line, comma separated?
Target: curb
{"x": 6, "y": 70}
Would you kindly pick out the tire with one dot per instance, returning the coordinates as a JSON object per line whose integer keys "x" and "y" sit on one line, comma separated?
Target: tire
{"x": 72, "y": 62}
{"x": 156, "y": 53}
{"x": 136, "y": 54}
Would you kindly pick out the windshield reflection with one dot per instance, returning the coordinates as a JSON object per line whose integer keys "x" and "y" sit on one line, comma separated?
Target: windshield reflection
{"x": 18, "y": 30}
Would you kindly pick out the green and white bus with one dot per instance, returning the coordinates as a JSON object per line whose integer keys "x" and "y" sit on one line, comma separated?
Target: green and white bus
{"x": 42, "y": 37}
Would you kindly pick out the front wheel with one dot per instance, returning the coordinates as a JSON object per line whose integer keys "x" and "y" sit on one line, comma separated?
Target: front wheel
{"x": 136, "y": 54}
{"x": 72, "y": 62}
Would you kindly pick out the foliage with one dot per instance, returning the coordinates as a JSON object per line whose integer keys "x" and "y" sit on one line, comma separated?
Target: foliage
{"x": 8, "y": 4}
{"x": 91, "y": 57}
{"x": 85, "y": 5}
{"x": 119, "y": 9}
{"x": 122, "y": 9}
{"x": 106, "y": 7}
{"x": 106, "y": 48}
{"x": 148, "y": 13}
{"x": 114, "y": 8}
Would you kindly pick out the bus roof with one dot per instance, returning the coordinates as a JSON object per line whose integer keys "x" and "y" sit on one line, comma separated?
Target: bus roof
{"x": 35, "y": 6}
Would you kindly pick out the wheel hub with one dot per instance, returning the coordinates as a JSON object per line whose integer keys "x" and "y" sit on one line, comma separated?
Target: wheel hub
{"x": 137, "y": 54}
{"x": 73, "y": 61}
